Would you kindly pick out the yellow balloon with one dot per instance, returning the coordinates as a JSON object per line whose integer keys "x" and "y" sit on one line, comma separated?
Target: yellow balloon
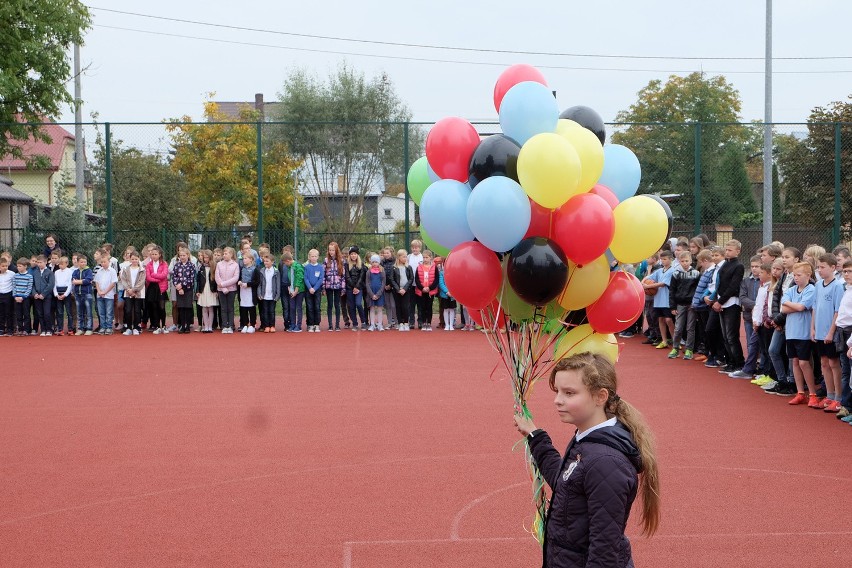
{"x": 549, "y": 169}
{"x": 591, "y": 154}
{"x": 585, "y": 284}
{"x": 582, "y": 339}
{"x": 566, "y": 123}
{"x": 641, "y": 225}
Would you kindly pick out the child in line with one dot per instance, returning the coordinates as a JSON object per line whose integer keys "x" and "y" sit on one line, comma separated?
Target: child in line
{"x": 205, "y": 289}
{"x": 646, "y": 268}
{"x": 355, "y": 279}
{"x": 426, "y": 287}
{"x": 661, "y": 279}
{"x": 684, "y": 282}
{"x": 292, "y": 292}
{"x": 32, "y": 267}
{"x": 374, "y": 288}
{"x": 96, "y": 267}
{"x": 119, "y": 290}
{"x": 333, "y": 284}
{"x": 132, "y": 280}
{"x": 21, "y": 292}
{"x": 62, "y": 286}
{"x": 43, "y": 284}
{"x": 798, "y": 303}
{"x": 844, "y": 325}
{"x": 402, "y": 281}
{"x": 156, "y": 287}
{"x": 249, "y": 281}
{"x": 105, "y": 282}
{"x": 314, "y": 279}
{"x": 388, "y": 262}
{"x": 227, "y": 277}
{"x": 183, "y": 280}
{"x": 713, "y": 338}
{"x": 778, "y": 346}
{"x": 415, "y": 259}
{"x": 446, "y": 303}
{"x": 827, "y": 298}
{"x": 268, "y": 292}
{"x": 81, "y": 279}
{"x": 761, "y": 325}
{"x": 7, "y": 303}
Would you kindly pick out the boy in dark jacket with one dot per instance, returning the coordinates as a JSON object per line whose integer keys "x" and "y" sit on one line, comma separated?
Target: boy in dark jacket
{"x": 683, "y": 286}
{"x": 43, "y": 283}
{"x": 388, "y": 262}
{"x": 727, "y": 305}
{"x": 748, "y": 294}
{"x": 81, "y": 282}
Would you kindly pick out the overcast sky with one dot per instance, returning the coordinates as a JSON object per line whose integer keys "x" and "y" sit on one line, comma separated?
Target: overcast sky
{"x": 135, "y": 76}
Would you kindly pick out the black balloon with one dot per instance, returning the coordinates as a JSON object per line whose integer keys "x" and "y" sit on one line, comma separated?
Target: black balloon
{"x": 496, "y": 155}
{"x": 587, "y": 118}
{"x": 537, "y": 270}
{"x": 669, "y": 215}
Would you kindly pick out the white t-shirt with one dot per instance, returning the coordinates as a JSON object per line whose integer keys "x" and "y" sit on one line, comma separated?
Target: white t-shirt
{"x": 104, "y": 279}
{"x": 267, "y": 291}
{"x": 415, "y": 260}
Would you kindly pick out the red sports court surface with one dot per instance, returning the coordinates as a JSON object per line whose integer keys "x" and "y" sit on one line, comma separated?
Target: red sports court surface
{"x": 374, "y": 450}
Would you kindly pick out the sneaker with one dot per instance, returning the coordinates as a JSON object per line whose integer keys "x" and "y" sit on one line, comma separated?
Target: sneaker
{"x": 741, "y": 375}
{"x": 88, "y": 332}
{"x": 661, "y": 345}
{"x": 847, "y": 419}
{"x": 135, "y": 332}
{"x": 380, "y": 328}
{"x": 172, "y": 327}
{"x": 296, "y": 330}
{"x": 711, "y": 364}
{"x": 727, "y": 370}
{"x": 371, "y": 328}
{"x": 127, "y": 332}
{"x": 843, "y": 412}
{"x": 814, "y": 402}
{"x": 158, "y": 331}
{"x": 78, "y": 332}
{"x": 701, "y": 357}
{"x": 164, "y": 329}
{"x": 800, "y": 398}
{"x": 649, "y": 341}
{"x": 787, "y": 389}
{"x": 624, "y": 334}
{"x": 250, "y": 329}
{"x": 47, "y": 333}
{"x": 337, "y": 328}
{"x": 832, "y": 406}
{"x": 673, "y": 354}
{"x": 687, "y": 355}
{"x": 770, "y": 385}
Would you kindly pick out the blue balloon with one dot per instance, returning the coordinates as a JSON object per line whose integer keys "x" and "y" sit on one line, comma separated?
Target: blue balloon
{"x": 529, "y": 108}
{"x": 433, "y": 177}
{"x": 621, "y": 172}
{"x": 498, "y": 213}
{"x": 443, "y": 212}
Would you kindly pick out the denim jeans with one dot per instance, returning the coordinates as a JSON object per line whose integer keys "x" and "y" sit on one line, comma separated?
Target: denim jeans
{"x": 685, "y": 327}
{"x": 296, "y": 310}
{"x": 356, "y": 307}
{"x": 778, "y": 352}
{"x": 752, "y": 348}
{"x": 84, "y": 311}
{"x": 105, "y": 312}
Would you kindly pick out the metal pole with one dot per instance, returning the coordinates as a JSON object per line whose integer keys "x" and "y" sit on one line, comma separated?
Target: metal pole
{"x": 405, "y": 167}
{"x": 108, "y": 178}
{"x": 79, "y": 153}
{"x": 697, "y": 192}
{"x": 835, "y": 235}
{"x": 259, "y": 182}
{"x": 767, "y": 131}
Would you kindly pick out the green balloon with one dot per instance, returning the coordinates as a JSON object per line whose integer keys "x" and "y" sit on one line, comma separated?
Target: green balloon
{"x": 517, "y": 309}
{"x": 418, "y": 179}
{"x": 430, "y": 243}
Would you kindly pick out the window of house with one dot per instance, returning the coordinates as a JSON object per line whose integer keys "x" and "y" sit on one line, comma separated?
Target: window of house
{"x": 387, "y": 213}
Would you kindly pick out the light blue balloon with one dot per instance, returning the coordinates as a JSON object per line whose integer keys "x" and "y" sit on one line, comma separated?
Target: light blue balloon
{"x": 621, "y": 172}
{"x": 529, "y": 108}
{"x": 433, "y": 177}
{"x": 443, "y": 212}
{"x": 498, "y": 213}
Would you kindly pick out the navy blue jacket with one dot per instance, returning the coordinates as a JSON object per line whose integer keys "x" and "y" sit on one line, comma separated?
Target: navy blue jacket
{"x": 594, "y": 487}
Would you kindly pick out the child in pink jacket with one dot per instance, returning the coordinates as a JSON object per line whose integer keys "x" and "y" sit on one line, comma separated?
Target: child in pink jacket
{"x": 227, "y": 276}
{"x": 156, "y": 284}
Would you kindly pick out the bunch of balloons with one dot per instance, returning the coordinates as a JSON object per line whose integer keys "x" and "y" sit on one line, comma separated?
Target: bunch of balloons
{"x": 532, "y": 219}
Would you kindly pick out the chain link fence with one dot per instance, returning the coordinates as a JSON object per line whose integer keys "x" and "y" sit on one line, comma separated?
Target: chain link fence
{"x": 198, "y": 183}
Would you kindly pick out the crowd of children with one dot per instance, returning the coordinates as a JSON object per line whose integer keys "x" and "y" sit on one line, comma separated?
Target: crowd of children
{"x": 57, "y": 294}
{"x": 795, "y": 309}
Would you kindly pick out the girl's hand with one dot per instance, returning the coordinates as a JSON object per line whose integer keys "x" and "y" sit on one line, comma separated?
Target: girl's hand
{"x": 524, "y": 424}
{"x": 402, "y": 292}
{"x": 426, "y": 289}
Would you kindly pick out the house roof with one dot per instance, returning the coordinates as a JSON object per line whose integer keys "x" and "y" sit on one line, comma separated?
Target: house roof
{"x": 8, "y": 193}
{"x": 232, "y": 108}
{"x": 53, "y": 150}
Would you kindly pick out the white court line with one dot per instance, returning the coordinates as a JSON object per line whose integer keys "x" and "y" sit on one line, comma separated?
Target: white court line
{"x": 454, "y": 529}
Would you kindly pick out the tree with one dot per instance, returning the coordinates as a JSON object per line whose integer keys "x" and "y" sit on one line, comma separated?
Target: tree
{"x": 140, "y": 183}
{"x": 348, "y": 132}
{"x": 661, "y": 133}
{"x": 34, "y": 67}
{"x": 807, "y": 167}
{"x": 219, "y": 164}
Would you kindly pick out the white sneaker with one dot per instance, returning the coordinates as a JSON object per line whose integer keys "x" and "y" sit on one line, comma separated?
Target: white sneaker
{"x": 47, "y": 334}
{"x": 135, "y": 332}
{"x": 381, "y": 328}
{"x": 371, "y": 328}
{"x": 250, "y": 329}
{"x": 128, "y": 331}
{"x": 158, "y": 331}
{"x": 172, "y": 327}
{"x": 165, "y": 329}
{"x": 244, "y": 329}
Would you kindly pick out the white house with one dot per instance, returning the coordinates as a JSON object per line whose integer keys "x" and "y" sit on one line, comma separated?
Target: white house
{"x": 391, "y": 211}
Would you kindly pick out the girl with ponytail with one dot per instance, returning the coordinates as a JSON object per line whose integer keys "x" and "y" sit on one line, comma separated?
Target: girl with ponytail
{"x": 608, "y": 462}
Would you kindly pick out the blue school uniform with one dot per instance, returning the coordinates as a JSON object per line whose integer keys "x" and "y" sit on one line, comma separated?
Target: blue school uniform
{"x": 826, "y": 303}
{"x": 798, "y": 324}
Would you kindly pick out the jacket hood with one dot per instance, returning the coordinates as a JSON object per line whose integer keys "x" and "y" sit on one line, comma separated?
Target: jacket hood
{"x": 617, "y": 437}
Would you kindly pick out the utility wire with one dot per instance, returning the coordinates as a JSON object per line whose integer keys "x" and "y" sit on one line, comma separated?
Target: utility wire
{"x": 456, "y": 48}
{"x": 431, "y": 60}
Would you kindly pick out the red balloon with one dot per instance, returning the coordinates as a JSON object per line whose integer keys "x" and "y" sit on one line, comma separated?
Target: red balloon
{"x": 619, "y": 306}
{"x": 511, "y": 77}
{"x": 473, "y": 274}
{"x": 584, "y": 227}
{"x": 541, "y": 221}
{"x": 606, "y": 193}
{"x": 449, "y": 147}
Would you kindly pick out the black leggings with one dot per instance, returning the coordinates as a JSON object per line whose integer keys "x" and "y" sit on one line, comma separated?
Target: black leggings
{"x": 402, "y": 308}
{"x": 332, "y": 298}
{"x": 132, "y": 312}
{"x": 425, "y": 310}
{"x": 156, "y": 303}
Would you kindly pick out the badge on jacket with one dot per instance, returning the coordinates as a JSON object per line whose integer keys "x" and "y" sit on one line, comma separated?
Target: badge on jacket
{"x": 571, "y": 467}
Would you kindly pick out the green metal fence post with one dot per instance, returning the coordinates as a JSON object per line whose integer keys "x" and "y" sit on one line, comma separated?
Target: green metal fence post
{"x": 163, "y": 238}
{"x": 697, "y": 192}
{"x": 259, "y": 183}
{"x": 835, "y": 234}
{"x": 405, "y": 167}
{"x": 108, "y": 177}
